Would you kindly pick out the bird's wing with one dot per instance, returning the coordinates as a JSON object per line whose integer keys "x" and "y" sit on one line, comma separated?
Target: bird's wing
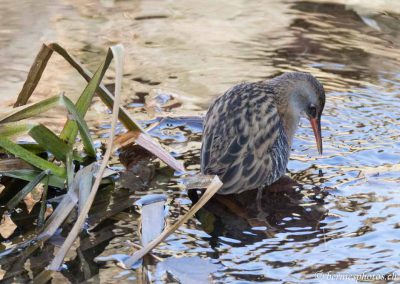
{"x": 242, "y": 139}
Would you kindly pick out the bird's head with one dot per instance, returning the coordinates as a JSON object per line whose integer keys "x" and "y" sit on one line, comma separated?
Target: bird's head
{"x": 300, "y": 94}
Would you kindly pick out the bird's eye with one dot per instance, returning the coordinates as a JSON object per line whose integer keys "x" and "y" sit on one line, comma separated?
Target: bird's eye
{"x": 312, "y": 111}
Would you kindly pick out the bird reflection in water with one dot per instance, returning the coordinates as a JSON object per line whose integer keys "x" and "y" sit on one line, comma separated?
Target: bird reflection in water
{"x": 285, "y": 204}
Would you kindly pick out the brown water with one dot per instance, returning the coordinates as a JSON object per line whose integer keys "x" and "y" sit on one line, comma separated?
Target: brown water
{"x": 345, "y": 220}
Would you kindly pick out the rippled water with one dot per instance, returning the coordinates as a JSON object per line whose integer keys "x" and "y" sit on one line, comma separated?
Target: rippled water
{"x": 345, "y": 218}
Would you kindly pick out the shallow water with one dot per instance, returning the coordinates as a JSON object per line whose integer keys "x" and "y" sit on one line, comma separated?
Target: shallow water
{"x": 345, "y": 220}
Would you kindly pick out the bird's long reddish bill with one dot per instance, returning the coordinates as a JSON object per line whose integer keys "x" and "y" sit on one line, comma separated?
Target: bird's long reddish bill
{"x": 317, "y": 133}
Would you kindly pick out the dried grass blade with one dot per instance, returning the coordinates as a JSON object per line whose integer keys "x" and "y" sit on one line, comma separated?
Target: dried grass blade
{"x": 34, "y": 75}
{"x": 126, "y": 139}
{"x": 12, "y": 164}
{"x": 210, "y": 191}
{"x": 58, "y": 259}
{"x": 148, "y": 143}
{"x": 58, "y": 216}
{"x": 66, "y": 205}
{"x": 152, "y": 146}
{"x": 68, "y": 202}
{"x": 85, "y": 181}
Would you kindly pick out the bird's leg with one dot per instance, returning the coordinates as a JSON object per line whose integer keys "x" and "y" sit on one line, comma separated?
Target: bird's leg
{"x": 259, "y": 198}
{"x": 261, "y": 215}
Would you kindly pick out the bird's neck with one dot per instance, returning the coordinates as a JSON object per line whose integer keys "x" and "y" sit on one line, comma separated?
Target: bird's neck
{"x": 290, "y": 119}
{"x": 290, "y": 107}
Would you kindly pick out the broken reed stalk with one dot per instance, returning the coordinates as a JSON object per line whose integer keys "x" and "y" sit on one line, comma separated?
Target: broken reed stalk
{"x": 210, "y": 191}
{"x": 58, "y": 259}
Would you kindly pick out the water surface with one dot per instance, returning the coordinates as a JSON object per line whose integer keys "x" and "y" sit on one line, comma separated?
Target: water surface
{"x": 344, "y": 220}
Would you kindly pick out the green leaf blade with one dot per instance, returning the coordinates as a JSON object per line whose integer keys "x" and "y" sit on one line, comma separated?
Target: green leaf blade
{"x": 28, "y": 188}
{"x": 29, "y": 175}
{"x": 50, "y": 141}
{"x": 28, "y": 111}
{"x": 11, "y": 129}
{"x": 30, "y": 158}
{"x": 85, "y": 99}
{"x": 82, "y": 126}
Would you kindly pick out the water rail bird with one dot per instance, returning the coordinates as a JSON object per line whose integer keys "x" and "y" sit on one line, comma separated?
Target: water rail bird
{"x": 248, "y": 131}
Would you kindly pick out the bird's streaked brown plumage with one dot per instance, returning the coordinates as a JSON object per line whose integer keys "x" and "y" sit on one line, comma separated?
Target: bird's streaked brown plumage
{"x": 249, "y": 129}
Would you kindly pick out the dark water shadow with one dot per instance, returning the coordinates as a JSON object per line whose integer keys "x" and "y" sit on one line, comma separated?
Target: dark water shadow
{"x": 286, "y": 206}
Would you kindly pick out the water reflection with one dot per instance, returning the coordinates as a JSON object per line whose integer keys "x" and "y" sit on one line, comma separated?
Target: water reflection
{"x": 287, "y": 207}
{"x": 193, "y": 51}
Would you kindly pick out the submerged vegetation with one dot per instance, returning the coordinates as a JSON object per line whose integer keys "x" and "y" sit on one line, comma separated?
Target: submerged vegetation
{"x": 55, "y": 161}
